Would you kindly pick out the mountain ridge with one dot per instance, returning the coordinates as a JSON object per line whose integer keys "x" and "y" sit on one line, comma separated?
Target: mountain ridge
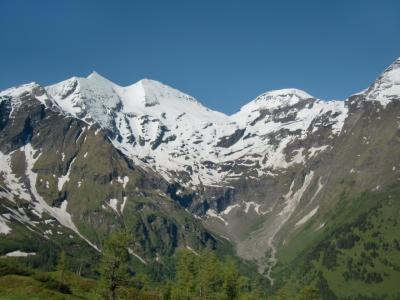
{"x": 257, "y": 179}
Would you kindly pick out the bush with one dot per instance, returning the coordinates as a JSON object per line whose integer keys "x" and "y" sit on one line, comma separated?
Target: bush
{"x": 52, "y": 284}
{"x": 329, "y": 259}
{"x": 347, "y": 241}
{"x": 11, "y": 267}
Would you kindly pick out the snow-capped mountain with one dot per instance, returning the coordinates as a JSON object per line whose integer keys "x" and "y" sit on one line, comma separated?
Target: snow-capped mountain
{"x": 172, "y": 133}
{"x": 89, "y": 154}
{"x": 387, "y": 87}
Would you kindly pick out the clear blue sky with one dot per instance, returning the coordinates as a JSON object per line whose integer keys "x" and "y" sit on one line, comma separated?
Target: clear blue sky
{"x": 224, "y": 53}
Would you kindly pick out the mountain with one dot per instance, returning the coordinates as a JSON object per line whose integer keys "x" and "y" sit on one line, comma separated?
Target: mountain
{"x": 286, "y": 180}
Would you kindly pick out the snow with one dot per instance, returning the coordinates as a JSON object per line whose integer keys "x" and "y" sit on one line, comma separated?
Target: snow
{"x": 386, "y": 87}
{"x": 293, "y": 198}
{"x": 20, "y": 216}
{"x": 276, "y": 99}
{"x": 256, "y": 207}
{"x": 18, "y": 253}
{"x": 229, "y": 208}
{"x": 131, "y": 252}
{"x": 307, "y": 217}
{"x": 59, "y": 213}
{"x": 123, "y": 180}
{"x": 316, "y": 150}
{"x": 192, "y": 250}
{"x": 80, "y": 134}
{"x": 213, "y": 214}
{"x": 17, "y": 94}
{"x": 319, "y": 188}
{"x": 113, "y": 204}
{"x": 167, "y": 130}
{"x": 220, "y": 216}
{"x": 161, "y": 128}
{"x": 4, "y": 229}
{"x": 125, "y": 198}
{"x": 14, "y": 186}
{"x": 63, "y": 179}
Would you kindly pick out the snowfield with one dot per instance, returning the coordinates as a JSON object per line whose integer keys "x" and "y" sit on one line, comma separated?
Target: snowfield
{"x": 172, "y": 133}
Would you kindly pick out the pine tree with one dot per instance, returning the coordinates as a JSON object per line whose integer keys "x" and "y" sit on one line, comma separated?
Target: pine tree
{"x": 114, "y": 265}
{"x": 186, "y": 272}
{"x": 231, "y": 281}
{"x": 62, "y": 266}
{"x": 209, "y": 276}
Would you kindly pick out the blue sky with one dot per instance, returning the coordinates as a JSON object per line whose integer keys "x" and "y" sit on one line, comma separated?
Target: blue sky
{"x": 224, "y": 53}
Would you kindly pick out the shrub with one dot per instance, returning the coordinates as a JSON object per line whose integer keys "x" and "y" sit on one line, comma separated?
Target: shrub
{"x": 52, "y": 284}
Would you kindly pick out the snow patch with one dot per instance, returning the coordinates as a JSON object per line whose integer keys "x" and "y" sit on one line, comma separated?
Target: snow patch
{"x": 125, "y": 198}
{"x": 19, "y": 253}
{"x": 316, "y": 150}
{"x": 307, "y": 217}
{"x": 123, "y": 180}
{"x": 113, "y": 204}
{"x": 131, "y": 252}
{"x": 63, "y": 179}
{"x": 59, "y": 213}
{"x": 213, "y": 214}
{"x": 4, "y": 229}
{"x": 256, "y": 208}
{"x": 13, "y": 185}
{"x": 293, "y": 198}
{"x": 229, "y": 208}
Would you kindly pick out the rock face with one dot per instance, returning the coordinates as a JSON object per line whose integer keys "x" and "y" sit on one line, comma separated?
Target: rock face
{"x": 91, "y": 154}
{"x": 62, "y": 177}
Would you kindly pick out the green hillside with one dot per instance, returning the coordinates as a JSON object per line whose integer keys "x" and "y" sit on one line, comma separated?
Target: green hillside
{"x": 356, "y": 255}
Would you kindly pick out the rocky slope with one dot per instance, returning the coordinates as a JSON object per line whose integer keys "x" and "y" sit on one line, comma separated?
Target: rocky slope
{"x": 91, "y": 154}
{"x": 63, "y": 177}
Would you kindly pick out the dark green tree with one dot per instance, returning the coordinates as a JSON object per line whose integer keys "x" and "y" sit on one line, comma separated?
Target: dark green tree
{"x": 114, "y": 265}
{"x": 209, "y": 277}
{"x": 62, "y": 266}
{"x": 186, "y": 272}
{"x": 231, "y": 281}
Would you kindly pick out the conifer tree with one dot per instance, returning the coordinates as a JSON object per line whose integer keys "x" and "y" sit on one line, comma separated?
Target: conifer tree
{"x": 186, "y": 271}
{"x": 62, "y": 265}
{"x": 114, "y": 265}
{"x": 209, "y": 277}
{"x": 231, "y": 281}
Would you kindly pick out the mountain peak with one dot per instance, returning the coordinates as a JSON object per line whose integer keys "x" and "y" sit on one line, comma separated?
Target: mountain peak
{"x": 98, "y": 79}
{"x": 392, "y": 72}
{"x": 276, "y": 99}
{"x": 151, "y": 92}
{"x": 284, "y": 93}
{"x": 93, "y": 75}
{"x": 387, "y": 86}
{"x": 19, "y": 90}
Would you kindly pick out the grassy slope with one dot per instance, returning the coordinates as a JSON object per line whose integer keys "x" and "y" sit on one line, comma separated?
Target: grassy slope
{"x": 356, "y": 253}
{"x": 15, "y": 287}
{"x": 28, "y": 284}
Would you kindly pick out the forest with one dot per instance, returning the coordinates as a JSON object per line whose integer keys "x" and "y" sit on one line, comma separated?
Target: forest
{"x": 186, "y": 275}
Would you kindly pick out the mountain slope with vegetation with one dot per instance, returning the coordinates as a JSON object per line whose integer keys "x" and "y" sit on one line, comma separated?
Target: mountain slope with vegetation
{"x": 290, "y": 197}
